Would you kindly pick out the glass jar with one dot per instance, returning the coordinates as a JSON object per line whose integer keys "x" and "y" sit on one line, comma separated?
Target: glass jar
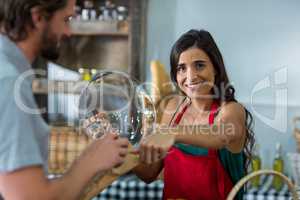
{"x": 122, "y": 13}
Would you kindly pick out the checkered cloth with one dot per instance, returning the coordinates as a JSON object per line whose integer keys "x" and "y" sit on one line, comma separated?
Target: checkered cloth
{"x": 266, "y": 192}
{"x": 64, "y": 147}
{"x": 129, "y": 187}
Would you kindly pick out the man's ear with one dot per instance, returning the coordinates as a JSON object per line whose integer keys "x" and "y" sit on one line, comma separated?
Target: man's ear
{"x": 38, "y": 18}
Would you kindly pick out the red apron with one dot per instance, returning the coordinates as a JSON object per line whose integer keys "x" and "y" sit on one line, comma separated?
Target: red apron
{"x": 195, "y": 177}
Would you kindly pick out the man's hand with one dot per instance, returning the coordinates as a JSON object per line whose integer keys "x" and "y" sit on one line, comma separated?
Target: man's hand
{"x": 105, "y": 153}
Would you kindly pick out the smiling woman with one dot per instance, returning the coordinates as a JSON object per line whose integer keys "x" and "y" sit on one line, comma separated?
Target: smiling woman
{"x": 195, "y": 156}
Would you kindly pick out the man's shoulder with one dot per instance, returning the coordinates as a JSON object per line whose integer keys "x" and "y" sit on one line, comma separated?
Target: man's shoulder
{"x": 7, "y": 68}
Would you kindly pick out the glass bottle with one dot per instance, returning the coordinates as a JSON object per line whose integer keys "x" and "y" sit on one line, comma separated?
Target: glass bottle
{"x": 278, "y": 165}
{"x": 93, "y": 73}
{"x": 256, "y": 165}
{"x": 85, "y": 74}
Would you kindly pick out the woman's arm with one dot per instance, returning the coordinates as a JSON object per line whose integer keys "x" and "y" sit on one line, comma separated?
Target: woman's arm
{"x": 153, "y": 149}
{"x": 148, "y": 172}
{"x": 228, "y": 131}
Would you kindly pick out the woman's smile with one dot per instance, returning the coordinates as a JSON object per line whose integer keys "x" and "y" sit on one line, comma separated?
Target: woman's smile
{"x": 195, "y": 85}
{"x": 195, "y": 73}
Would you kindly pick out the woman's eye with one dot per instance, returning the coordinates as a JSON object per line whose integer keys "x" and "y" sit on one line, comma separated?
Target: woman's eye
{"x": 181, "y": 68}
{"x": 199, "y": 65}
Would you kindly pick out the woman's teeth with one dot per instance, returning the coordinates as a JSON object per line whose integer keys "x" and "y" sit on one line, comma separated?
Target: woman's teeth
{"x": 194, "y": 85}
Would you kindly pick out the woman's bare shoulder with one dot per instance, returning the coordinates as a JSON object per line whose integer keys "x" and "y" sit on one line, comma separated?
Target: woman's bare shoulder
{"x": 169, "y": 105}
{"x": 232, "y": 112}
{"x": 232, "y": 108}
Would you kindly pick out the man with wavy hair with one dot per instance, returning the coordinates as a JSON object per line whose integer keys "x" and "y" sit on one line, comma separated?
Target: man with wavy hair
{"x": 29, "y": 28}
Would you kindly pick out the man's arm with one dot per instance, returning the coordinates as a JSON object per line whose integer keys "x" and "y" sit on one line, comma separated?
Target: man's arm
{"x": 30, "y": 183}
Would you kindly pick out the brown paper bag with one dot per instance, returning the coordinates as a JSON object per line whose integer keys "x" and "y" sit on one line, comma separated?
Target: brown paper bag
{"x": 98, "y": 184}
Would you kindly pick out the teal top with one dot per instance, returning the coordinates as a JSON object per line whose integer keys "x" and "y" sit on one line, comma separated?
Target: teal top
{"x": 232, "y": 162}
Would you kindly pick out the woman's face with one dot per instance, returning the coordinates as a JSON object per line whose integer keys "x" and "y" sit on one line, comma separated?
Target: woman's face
{"x": 195, "y": 73}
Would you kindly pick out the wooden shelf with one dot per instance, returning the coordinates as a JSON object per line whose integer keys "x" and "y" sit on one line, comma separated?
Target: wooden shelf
{"x": 100, "y": 28}
{"x": 44, "y": 86}
{"x": 116, "y": 34}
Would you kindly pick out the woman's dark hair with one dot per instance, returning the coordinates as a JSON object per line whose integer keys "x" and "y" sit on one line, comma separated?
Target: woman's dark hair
{"x": 15, "y": 15}
{"x": 223, "y": 90}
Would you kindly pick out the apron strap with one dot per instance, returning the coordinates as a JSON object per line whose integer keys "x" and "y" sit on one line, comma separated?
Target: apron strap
{"x": 213, "y": 112}
{"x": 211, "y": 119}
{"x": 212, "y": 152}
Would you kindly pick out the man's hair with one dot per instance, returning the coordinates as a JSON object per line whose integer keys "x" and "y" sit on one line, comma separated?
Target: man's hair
{"x": 15, "y": 15}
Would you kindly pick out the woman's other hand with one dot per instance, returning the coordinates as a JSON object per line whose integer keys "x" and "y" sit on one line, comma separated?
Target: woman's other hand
{"x": 155, "y": 147}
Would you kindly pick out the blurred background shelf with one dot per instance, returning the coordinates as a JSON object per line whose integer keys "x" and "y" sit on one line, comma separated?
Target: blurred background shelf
{"x": 108, "y": 34}
{"x": 99, "y": 41}
{"x": 100, "y": 28}
{"x": 106, "y": 43}
{"x": 44, "y": 86}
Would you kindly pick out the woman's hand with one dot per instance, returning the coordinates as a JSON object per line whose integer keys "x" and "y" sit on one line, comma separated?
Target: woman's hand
{"x": 155, "y": 147}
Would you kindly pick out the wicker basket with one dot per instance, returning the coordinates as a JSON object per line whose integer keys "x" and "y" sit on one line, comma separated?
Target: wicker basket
{"x": 65, "y": 145}
{"x": 297, "y": 132}
{"x": 244, "y": 180}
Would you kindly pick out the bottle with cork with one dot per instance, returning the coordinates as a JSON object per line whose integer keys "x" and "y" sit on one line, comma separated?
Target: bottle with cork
{"x": 256, "y": 165}
{"x": 278, "y": 165}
